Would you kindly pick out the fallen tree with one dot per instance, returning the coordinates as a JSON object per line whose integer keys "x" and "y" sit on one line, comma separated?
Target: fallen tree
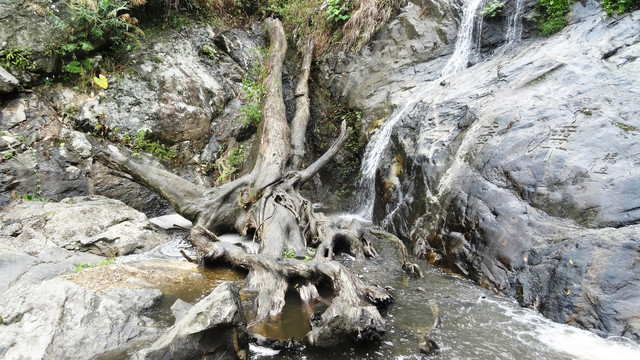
{"x": 267, "y": 202}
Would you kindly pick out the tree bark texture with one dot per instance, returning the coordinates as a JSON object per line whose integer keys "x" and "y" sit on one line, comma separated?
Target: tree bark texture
{"x": 267, "y": 202}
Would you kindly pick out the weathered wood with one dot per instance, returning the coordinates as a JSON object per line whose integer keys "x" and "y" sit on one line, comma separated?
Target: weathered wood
{"x": 302, "y": 115}
{"x": 267, "y": 201}
{"x": 275, "y": 139}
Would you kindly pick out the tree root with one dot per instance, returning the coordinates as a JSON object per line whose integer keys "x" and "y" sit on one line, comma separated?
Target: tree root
{"x": 271, "y": 277}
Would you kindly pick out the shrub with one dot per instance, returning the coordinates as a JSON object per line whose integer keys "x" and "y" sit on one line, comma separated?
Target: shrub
{"x": 338, "y": 10}
{"x": 253, "y": 93}
{"x": 551, "y": 15}
{"x": 620, "y": 6}
{"x": 95, "y": 23}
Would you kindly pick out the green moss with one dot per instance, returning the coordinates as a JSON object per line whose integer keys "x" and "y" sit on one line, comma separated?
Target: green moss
{"x": 83, "y": 266}
{"x": 625, "y": 127}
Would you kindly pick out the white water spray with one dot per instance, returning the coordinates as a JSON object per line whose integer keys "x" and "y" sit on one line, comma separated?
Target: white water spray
{"x": 378, "y": 142}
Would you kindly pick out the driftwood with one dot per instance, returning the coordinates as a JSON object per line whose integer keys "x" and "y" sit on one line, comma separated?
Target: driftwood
{"x": 267, "y": 203}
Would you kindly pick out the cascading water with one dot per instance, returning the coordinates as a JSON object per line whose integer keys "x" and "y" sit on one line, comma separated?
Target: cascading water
{"x": 379, "y": 141}
{"x": 514, "y": 30}
{"x": 460, "y": 57}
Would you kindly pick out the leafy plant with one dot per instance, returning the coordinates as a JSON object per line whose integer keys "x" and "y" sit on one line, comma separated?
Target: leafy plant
{"x": 289, "y": 253}
{"x": 209, "y": 51}
{"x": 82, "y": 266}
{"x": 32, "y": 197}
{"x": 252, "y": 94}
{"x": 101, "y": 81}
{"x": 141, "y": 143}
{"x": 96, "y": 23}
{"x": 18, "y": 57}
{"x": 309, "y": 256}
{"x": 551, "y": 15}
{"x": 338, "y": 10}
{"x": 492, "y": 9}
{"x": 620, "y": 6}
{"x": 236, "y": 156}
{"x": 8, "y": 154}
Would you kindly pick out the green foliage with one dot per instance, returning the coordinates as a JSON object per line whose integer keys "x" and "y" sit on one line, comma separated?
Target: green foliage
{"x": 75, "y": 67}
{"x": 32, "y": 197}
{"x": 338, "y": 10}
{"x": 236, "y": 156}
{"x": 8, "y": 154}
{"x": 209, "y": 51}
{"x": 229, "y": 164}
{"x": 620, "y": 6}
{"x": 95, "y": 23}
{"x": 83, "y": 266}
{"x": 309, "y": 256}
{"x": 141, "y": 143}
{"x": 252, "y": 94}
{"x": 551, "y": 15}
{"x": 18, "y": 57}
{"x": 289, "y": 253}
{"x": 492, "y": 9}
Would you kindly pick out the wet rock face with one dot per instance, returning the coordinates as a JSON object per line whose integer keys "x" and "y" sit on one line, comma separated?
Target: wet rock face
{"x": 423, "y": 31}
{"x": 511, "y": 170}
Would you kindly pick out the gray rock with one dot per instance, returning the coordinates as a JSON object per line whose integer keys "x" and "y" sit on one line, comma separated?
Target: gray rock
{"x": 514, "y": 168}
{"x": 72, "y": 322}
{"x": 180, "y": 309}
{"x": 96, "y": 224}
{"x": 28, "y": 25}
{"x": 177, "y": 91}
{"x": 214, "y": 328}
{"x": 8, "y": 82}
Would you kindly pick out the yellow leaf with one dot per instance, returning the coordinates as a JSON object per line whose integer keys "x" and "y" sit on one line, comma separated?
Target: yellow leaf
{"x": 568, "y": 291}
{"x": 570, "y": 262}
{"x": 101, "y": 81}
{"x": 525, "y": 259}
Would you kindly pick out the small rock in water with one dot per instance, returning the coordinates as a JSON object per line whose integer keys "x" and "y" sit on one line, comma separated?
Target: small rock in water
{"x": 429, "y": 346}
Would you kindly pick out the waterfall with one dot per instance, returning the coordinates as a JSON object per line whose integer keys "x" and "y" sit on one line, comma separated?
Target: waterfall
{"x": 460, "y": 57}
{"x": 379, "y": 141}
{"x": 514, "y": 30}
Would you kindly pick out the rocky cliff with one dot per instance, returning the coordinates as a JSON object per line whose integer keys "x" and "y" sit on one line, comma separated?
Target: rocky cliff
{"x": 519, "y": 172}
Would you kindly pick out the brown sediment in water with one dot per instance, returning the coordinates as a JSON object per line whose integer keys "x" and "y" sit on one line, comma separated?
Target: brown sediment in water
{"x": 174, "y": 278}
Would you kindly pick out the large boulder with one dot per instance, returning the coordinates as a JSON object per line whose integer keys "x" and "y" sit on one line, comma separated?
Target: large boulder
{"x": 214, "y": 328}
{"x": 72, "y": 322}
{"x": 519, "y": 172}
{"x": 96, "y": 224}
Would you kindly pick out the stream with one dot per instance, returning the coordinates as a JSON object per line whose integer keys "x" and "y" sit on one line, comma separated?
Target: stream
{"x": 472, "y": 323}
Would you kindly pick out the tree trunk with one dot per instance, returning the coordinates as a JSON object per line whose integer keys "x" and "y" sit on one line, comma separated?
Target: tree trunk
{"x": 267, "y": 201}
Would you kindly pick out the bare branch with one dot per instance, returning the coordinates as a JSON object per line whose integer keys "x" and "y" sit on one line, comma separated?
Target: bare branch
{"x": 308, "y": 173}
{"x": 302, "y": 115}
